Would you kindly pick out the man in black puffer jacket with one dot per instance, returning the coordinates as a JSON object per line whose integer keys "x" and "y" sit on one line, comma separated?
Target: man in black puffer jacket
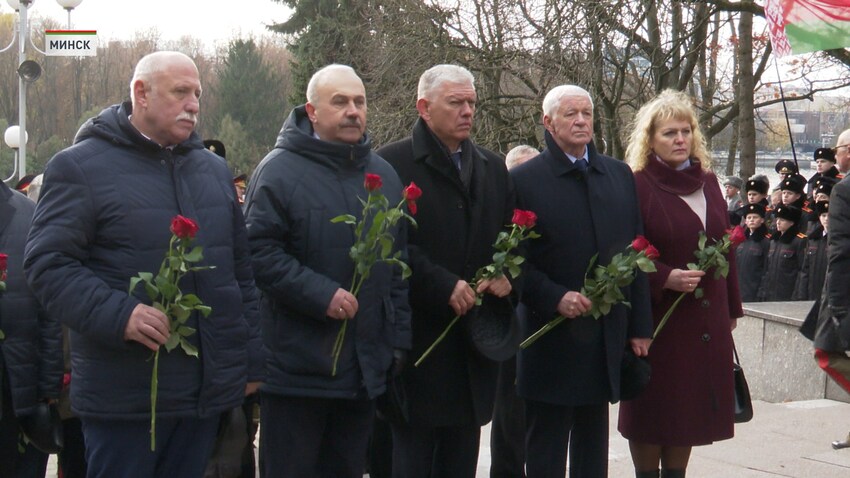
{"x": 31, "y": 351}
{"x": 315, "y": 423}
{"x": 103, "y": 217}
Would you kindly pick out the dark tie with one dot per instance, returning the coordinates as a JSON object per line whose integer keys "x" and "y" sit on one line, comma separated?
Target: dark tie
{"x": 456, "y": 159}
{"x": 581, "y": 164}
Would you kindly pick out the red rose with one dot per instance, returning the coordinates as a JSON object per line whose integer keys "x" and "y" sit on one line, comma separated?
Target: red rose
{"x": 372, "y": 182}
{"x": 412, "y": 192}
{"x": 736, "y": 235}
{"x": 4, "y": 259}
{"x": 524, "y": 218}
{"x": 651, "y": 252}
{"x": 183, "y": 227}
{"x": 640, "y": 243}
{"x": 411, "y": 206}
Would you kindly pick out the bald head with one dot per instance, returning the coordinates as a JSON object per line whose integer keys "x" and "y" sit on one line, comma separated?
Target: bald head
{"x": 842, "y": 152}
{"x": 156, "y": 63}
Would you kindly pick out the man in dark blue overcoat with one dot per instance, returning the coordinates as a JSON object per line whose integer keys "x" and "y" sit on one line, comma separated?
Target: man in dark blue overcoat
{"x": 586, "y": 204}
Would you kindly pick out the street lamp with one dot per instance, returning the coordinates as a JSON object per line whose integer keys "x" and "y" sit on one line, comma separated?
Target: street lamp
{"x": 28, "y": 71}
{"x": 13, "y": 136}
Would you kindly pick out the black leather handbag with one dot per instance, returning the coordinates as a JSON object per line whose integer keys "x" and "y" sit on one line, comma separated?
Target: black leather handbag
{"x": 635, "y": 373}
{"x": 743, "y": 402}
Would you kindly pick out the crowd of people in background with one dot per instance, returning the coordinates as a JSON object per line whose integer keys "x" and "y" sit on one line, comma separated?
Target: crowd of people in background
{"x": 276, "y": 276}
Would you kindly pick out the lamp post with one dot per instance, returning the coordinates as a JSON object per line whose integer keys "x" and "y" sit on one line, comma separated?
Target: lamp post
{"x": 12, "y": 137}
{"x": 28, "y": 71}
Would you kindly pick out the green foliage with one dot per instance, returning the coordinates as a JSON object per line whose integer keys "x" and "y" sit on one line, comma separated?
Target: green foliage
{"x": 250, "y": 105}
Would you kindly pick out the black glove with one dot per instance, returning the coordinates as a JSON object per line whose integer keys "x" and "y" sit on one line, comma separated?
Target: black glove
{"x": 399, "y": 362}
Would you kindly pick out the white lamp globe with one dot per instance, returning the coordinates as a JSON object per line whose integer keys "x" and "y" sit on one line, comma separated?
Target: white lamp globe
{"x": 13, "y": 137}
{"x": 15, "y": 4}
{"x": 69, "y": 4}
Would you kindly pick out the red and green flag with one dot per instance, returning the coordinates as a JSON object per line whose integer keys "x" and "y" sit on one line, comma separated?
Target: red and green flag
{"x": 802, "y": 26}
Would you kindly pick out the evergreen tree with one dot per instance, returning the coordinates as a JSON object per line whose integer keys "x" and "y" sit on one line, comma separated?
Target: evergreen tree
{"x": 251, "y": 94}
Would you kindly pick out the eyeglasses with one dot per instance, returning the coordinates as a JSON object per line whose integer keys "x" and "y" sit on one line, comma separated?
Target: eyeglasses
{"x": 835, "y": 149}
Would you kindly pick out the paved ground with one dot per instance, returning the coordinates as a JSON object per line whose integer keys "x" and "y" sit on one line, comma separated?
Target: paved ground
{"x": 783, "y": 440}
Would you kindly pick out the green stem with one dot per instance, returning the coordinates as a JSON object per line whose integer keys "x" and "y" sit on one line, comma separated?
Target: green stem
{"x": 154, "y": 387}
{"x": 340, "y": 336}
{"x": 543, "y": 330}
{"x": 436, "y": 342}
{"x": 668, "y": 314}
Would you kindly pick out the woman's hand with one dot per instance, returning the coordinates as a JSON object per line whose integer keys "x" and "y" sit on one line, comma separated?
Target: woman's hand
{"x": 683, "y": 280}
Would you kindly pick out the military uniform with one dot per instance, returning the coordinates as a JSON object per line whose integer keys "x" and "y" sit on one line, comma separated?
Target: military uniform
{"x": 785, "y": 259}
{"x": 813, "y": 272}
{"x": 751, "y": 255}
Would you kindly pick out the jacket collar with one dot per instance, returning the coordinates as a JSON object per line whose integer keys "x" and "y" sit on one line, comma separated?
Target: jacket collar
{"x": 562, "y": 164}
{"x": 113, "y": 124}
{"x": 297, "y": 135}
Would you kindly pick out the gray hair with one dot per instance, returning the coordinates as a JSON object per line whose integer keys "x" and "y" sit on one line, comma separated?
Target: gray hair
{"x": 519, "y": 153}
{"x": 320, "y": 77}
{"x": 154, "y": 63}
{"x": 558, "y": 93}
{"x": 843, "y": 138}
{"x": 437, "y": 75}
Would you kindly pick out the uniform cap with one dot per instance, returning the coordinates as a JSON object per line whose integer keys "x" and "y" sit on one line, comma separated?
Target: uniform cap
{"x": 216, "y": 147}
{"x": 755, "y": 208}
{"x": 826, "y": 154}
{"x": 757, "y": 184}
{"x": 793, "y": 183}
{"x": 822, "y": 207}
{"x": 791, "y": 213}
{"x": 786, "y": 166}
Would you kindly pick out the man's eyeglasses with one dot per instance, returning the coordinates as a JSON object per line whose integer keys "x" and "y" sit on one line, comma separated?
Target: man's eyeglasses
{"x": 835, "y": 149}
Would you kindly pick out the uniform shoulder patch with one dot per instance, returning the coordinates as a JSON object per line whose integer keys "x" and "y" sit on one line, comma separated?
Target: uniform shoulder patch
{"x": 801, "y": 235}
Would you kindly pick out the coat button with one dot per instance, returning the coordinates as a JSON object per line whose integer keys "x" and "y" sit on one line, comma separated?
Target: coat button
{"x": 705, "y": 303}
{"x": 706, "y": 337}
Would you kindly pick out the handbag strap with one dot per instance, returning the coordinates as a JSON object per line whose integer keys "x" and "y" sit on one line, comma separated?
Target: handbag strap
{"x": 735, "y": 351}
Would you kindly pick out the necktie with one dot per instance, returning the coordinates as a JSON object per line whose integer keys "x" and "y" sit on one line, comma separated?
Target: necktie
{"x": 581, "y": 164}
{"x": 456, "y": 159}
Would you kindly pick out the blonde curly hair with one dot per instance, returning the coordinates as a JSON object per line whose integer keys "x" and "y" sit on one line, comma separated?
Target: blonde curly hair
{"x": 668, "y": 105}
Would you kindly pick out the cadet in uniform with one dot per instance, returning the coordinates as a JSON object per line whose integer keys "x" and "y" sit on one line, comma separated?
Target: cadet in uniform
{"x": 813, "y": 271}
{"x": 785, "y": 258}
{"x": 751, "y": 255}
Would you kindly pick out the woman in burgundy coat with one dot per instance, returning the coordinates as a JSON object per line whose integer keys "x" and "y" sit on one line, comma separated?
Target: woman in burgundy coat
{"x": 690, "y": 398}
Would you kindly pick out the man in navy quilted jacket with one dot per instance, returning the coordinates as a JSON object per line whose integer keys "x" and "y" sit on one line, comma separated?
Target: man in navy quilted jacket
{"x": 103, "y": 217}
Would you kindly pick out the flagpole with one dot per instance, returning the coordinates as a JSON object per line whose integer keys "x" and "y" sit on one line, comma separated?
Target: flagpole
{"x": 785, "y": 109}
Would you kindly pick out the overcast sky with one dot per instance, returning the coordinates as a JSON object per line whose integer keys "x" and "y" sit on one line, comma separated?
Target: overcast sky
{"x": 214, "y": 22}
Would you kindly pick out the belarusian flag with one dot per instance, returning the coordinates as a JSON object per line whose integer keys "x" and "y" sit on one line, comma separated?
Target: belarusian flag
{"x": 801, "y": 26}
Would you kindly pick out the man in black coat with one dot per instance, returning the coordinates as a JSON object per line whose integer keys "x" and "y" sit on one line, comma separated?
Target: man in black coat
{"x": 467, "y": 200}
{"x": 586, "y": 204}
{"x": 30, "y": 344}
{"x": 315, "y": 422}
{"x": 103, "y": 217}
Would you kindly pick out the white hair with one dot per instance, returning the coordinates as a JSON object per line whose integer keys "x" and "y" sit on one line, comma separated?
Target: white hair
{"x": 322, "y": 76}
{"x": 154, "y": 63}
{"x": 435, "y": 76}
{"x": 553, "y": 99}
{"x": 519, "y": 153}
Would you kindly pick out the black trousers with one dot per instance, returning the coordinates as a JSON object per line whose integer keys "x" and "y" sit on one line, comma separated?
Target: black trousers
{"x": 554, "y": 428}
{"x": 507, "y": 435}
{"x": 29, "y": 463}
{"x": 315, "y": 437}
{"x": 440, "y": 452}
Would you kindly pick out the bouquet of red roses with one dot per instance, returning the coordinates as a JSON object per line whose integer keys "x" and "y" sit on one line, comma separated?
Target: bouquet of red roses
{"x": 373, "y": 239}
{"x": 166, "y": 296}
{"x": 503, "y": 260}
{"x": 708, "y": 256}
{"x": 603, "y": 284}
